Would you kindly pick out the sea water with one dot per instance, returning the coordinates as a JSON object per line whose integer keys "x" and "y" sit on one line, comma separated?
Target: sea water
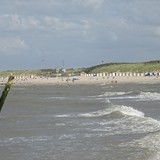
{"x": 81, "y": 122}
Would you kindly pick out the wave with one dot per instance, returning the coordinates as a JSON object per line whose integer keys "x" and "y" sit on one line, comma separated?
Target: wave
{"x": 150, "y": 144}
{"x": 115, "y": 93}
{"x": 19, "y": 140}
{"x": 122, "y": 120}
{"x": 82, "y": 98}
{"x": 149, "y": 96}
{"x": 137, "y": 96}
{"x": 107, "y": 96}
{"x": 58, "y": 98}
{"x": 113, "y": 110}
{"x": 124, "y": 110}
{"x": 64, "y": 116}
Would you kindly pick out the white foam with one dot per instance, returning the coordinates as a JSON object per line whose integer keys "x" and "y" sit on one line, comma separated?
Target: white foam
{"x": 114, "y": 93}
{"x": 19, "y": 140}
{"x": 141, "y": 96}
{"x": 151, "y": 142}
{"x": 115, "y": 108}
{"x": 119, "y": 95}
{"x": 59, "y": 98}
{"x": 149, "y": 96}
{"x": 107, "y": 101}
{"x": 62, "y": 116}
{"x": 155, "y": 156}
{"x": 60, "y": 124}
{"x": 67, "y": 136}
{"x": 130, "y": 111}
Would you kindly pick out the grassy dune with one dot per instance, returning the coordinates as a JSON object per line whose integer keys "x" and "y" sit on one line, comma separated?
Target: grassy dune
{"x": 20, "y": 72}
{"x": 152, "y": 66}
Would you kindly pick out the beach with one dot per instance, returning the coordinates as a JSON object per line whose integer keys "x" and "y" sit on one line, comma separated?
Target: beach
{"x": 36, "y": 80}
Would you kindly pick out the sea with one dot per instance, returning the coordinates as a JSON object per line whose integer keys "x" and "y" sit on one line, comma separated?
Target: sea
{"x": 81, "y": 122}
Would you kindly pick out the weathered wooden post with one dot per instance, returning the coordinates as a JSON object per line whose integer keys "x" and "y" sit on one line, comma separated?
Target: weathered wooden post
{"x": 5, "y": 91}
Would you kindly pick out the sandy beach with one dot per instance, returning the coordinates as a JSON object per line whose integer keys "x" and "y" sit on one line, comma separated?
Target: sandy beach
{"x": 83, "y": 80}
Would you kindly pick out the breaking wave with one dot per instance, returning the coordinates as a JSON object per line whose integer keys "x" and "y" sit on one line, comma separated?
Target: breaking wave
{"x": 149, "y": 96}
{"x": 132, "y": 96}
{"x": 113, "y": 110}
{"x": 136, "y": 96}
{"x": 125, "y": 120}
{"x": 124, "y": 110}
{"x": 150, "y": 145}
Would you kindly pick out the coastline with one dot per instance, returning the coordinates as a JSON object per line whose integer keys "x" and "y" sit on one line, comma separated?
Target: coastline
{"x": 84, "y": 80}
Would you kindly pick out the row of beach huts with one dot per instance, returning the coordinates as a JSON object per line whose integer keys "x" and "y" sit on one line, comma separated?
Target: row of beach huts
{"x": 120, "y": 74}
{"x": 116, "y": 74}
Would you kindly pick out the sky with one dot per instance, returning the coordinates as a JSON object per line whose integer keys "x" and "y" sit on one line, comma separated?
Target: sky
{"x": 36, "y": 34}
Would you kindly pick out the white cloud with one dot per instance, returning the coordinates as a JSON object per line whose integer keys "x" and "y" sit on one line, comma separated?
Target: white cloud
{"x": 119, "y": 23}
{"x": 7, "y": 45}
{"x": 95, "y": 4}
{"x": 87, "y": 26}
{"x": 53, "y": 23}
{"x": 16, "y": 22}
{"x": 114, "y": 36}
{"x": 157, "y": 31}
{"x": 153, "y": 31}
{"x": 47, "y": 23}
{"x": 58, "y": 24}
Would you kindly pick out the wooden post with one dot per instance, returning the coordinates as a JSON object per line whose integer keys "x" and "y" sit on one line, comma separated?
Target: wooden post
{"x": 5, "y": 91}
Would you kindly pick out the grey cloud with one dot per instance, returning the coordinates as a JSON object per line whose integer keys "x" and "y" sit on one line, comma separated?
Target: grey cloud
{"x": 7, "y": 45}
{"x": 95, "y": 4}
{"x": 62, "y": 24}
{"x": 94, "y": 29}
{"x": 16, "y": 22}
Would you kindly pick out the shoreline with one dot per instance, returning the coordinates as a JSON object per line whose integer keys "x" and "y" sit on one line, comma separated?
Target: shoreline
{"x": 84, "y": 80}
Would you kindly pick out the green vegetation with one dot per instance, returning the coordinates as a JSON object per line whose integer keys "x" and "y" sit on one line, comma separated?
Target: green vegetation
{"x": 152, "y": 66}
{"x": 75, "y": 71}
{"x": 20, "y": 72}
{"x": 41, "y": 72}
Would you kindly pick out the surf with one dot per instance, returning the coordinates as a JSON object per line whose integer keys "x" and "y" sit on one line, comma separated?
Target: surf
{"x": 124, "y": 110}
{"x": 134, "y": 96}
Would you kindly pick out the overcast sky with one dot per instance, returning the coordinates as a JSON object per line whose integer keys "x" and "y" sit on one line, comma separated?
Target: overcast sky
{"x": 37, "y": 34}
